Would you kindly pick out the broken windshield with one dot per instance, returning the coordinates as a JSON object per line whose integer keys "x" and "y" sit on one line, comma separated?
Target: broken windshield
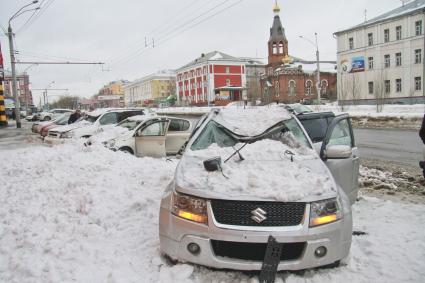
{"x": 287, "y": 132}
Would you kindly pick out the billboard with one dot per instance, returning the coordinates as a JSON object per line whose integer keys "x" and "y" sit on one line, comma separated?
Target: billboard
{"x": 356, "y": 64}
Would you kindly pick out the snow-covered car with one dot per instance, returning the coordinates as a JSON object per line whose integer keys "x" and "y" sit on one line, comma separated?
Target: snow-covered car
{"x": 247, "y": 174}
{"x": 154, "y": 136}
{"x": 92, "y": 123}
{"x": 60, "y": 121}
{"x": 52, "y": 114}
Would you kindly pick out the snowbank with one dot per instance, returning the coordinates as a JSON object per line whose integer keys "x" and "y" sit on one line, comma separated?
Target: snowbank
{"x": 396, "y": 111}
{"x": 76, "y": 214}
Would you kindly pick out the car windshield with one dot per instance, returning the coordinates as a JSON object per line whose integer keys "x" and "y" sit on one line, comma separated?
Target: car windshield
{"x": 89, "y": 118}
{"x": 129, "y": 124}
{"x": 316, "y": 128}
{"x": 288, "y": 132}
{"x": 62, "y": 119}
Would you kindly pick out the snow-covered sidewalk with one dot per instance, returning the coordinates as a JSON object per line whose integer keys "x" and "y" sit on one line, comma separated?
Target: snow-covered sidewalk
{"x": 76, "y": 214}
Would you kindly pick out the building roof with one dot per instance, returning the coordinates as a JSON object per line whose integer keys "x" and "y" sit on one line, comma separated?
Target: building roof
{"x": 409, "y": 8}
{"x": 160, "y": 75}
{"x": 277, "y": 32}
{"x": 211, "y": 56}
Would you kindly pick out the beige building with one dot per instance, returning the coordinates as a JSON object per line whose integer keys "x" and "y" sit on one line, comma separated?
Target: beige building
{"x": 382, "y": 59}
{"x": 150, "y": 90}
{"x": 111, "y": 95}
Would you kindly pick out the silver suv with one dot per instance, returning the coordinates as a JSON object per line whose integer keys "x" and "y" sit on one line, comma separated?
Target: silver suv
{"x": 247, "y": 174}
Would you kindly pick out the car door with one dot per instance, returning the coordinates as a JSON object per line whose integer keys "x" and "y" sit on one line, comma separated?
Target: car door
{"x": 150, "y": 138}
{"x": 345, "y": 169}
{"x": 178, "y": 133}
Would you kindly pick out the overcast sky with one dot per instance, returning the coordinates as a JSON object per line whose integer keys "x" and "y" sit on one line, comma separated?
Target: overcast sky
{"x": 114, "y": 32}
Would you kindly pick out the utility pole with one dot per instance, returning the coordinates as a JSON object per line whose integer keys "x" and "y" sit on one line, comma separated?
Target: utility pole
{"x": 318, "y": 71}
{"x": 3, "y": 118}
{"x": 14, "y": 90}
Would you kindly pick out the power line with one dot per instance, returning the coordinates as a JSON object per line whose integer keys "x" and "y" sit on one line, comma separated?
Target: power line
{"x": 37, "y": 15}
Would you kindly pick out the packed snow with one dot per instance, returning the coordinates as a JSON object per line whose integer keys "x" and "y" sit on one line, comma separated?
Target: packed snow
{"x": 76, "y": 214}
{"x": 266, "y": 172}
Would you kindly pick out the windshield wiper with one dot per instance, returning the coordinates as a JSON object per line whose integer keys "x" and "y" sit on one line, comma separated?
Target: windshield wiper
{"x": 236, "y": 152}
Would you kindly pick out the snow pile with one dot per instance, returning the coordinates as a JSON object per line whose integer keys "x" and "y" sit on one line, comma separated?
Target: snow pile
{"x": 109, "y": 133}
{"x": 76, "y": 214}
{"x": 395, "y": 111}
{"x": 266, "y": 172}
{"x": 250, "y": 121}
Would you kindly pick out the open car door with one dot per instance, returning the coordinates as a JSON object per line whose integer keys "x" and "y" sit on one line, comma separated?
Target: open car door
{"x": 150, "y": 138}
{"x": 341, "y": 155}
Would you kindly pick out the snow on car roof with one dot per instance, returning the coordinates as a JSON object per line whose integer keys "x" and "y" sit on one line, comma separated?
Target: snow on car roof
{"x": 251, "y": 121}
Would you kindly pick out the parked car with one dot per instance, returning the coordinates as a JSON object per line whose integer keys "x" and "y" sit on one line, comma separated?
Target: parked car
{"x": 33, "y": 117}
{"x": 92, "y": 123}
{"x": 60, "y": 121}
{"x": 155, "y": 136}
{"x": 249, "y": 174}
{"x": 52, "y": 114}
{"x": 296, "y": 108}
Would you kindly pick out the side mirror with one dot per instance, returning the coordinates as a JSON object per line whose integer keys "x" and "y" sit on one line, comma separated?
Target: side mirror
{"x": 338, "y": 152}
{"x": 212, "y": 164}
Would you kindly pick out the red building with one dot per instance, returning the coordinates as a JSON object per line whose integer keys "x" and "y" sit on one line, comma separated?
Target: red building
{"x": 22, "y": 85}
{"x": 289, "y": 79}
{"x": 214, "y": 77}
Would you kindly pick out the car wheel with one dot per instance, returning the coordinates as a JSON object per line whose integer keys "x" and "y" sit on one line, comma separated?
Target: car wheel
{"x": 47, "y": 118}
{"x": 127, "y": 150}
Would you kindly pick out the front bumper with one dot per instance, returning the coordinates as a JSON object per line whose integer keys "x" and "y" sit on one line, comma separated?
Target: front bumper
{"x": 177, "y": 233}
{"x": 53, "y": 140}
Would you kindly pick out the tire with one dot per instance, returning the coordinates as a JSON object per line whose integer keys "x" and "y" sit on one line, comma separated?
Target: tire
{"x": 126, "y": 150}
{"x": 47, "y": 118}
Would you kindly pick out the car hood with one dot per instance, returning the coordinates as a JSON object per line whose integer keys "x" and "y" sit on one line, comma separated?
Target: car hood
{"x": 113, "y": 133}
{"x": 70, "y": 127}
{"x": 266, "y": 173}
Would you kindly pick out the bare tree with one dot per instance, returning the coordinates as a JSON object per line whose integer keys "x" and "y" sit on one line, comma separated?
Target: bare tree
{"x": 380, "y": 93}
{"x": 354, "y": 88}
{"x": 343, "y": 92}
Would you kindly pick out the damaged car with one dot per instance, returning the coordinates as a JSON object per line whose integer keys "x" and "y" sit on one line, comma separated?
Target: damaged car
{"x": 248, "y": 175}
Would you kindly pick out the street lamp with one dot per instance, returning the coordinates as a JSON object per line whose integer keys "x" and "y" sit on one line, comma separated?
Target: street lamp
{"x": 12, "y": 60}
{"x": 318, "y": 64}
{"x": 46, "y": 99}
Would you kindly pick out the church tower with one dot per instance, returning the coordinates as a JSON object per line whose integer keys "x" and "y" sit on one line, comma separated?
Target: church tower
{"x": 278, "y": 44}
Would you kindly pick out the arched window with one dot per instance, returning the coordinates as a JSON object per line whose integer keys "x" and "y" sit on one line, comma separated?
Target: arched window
{"x": 323, "y": 86}
{"x": 280, "y": 47}
{"x": 276, "y": 89}
{"x": 274, "y": 48}
{"x": 291, "y": 88}
{"x": 308, "y": 87}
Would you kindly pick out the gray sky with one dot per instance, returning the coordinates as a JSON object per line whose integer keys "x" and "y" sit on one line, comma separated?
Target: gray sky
{"x": 114, "y": 32}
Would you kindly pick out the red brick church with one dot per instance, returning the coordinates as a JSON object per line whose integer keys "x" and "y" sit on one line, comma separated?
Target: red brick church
{"x": 289, "y": 79}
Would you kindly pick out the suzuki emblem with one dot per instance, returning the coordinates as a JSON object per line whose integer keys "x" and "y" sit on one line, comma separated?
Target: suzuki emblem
{"x": 258, "y": 215}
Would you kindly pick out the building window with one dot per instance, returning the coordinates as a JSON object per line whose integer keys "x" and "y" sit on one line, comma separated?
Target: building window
{"x": 291, "y": 88}
{"x": 370, "y": 87}
{"x": 274, "y": 51}
{"x": 387, "y": 85}
{"x": 227, "y": 70}
{"x": 387, "y": 61}
{"x": 308, "y": 86}
{"x": 398, "y": 85}
{"x": 398, "y": 32}
{"x": 370, "y": 63}
{"x": 370, "y": 39}
{"x": 418, "y": 27}
{"x": 227, "y": 82}
{"x": 398, "y": 59}
{"x": 323, "y": 86}
{"x": 386, "y": 35}
{"x": 418, "y": 83}
{"x": 351, "y": 43}
{"x": 281, "y": 47}
{"x": 418, "y": 56}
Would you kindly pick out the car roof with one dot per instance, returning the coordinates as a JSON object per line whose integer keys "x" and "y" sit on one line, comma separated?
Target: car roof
{"x": 315, "y": 115}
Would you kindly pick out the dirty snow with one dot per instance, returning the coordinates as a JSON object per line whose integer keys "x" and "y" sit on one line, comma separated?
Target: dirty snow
{"x": 76, "y": 214}
{"x": 265, "y": 173}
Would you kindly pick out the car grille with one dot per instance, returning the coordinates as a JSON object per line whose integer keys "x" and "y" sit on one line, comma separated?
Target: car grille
{"x": 240, "y": 212}
{"x": 255, "y": 251}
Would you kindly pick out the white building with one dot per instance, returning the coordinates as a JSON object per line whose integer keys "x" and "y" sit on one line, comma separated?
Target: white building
{"x": 150, "y": 89}
{"x": 382, "y": 59}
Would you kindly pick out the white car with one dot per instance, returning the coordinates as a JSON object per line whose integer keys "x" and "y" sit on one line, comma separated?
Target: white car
{"x": 92, "y": 123}
{"x": 154, "y": 136}
{"x": 52, "y": 114}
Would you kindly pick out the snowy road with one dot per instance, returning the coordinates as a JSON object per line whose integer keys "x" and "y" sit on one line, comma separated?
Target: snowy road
{"x": 72, "y": 214}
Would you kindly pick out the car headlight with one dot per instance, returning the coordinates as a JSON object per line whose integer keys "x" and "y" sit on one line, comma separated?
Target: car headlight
{"x": 325, "y": 211}
{"x": 67, "y": 135}
{"x": 190, "y": 208}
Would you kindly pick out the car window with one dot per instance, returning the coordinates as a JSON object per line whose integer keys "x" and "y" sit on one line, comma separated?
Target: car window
{"x": 109, "y": 118}
{"x": 154, "y": 129}
{"x": 287, "y": 132}
{"x": 178, "y": 125}
{"x": 341, "y": 134}
{"x": 126, "y": 114}
{"x": 129, "y": 124}
{"x": 316, "y": 128}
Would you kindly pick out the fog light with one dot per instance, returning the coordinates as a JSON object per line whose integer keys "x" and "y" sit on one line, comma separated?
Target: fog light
{"x": 193, "y": 248}
{"x": 320, "y": 251}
